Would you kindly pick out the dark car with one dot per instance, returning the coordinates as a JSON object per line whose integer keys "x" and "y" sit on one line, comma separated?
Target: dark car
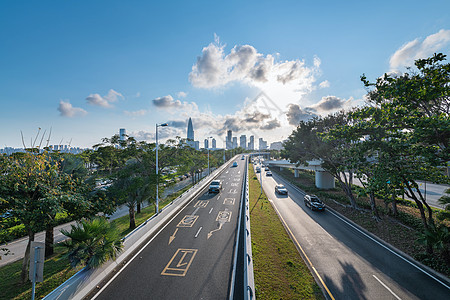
{"x": 314, "y": 202}
{"x": 281, "y": 189}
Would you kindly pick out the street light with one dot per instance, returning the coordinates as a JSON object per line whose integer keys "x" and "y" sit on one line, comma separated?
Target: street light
{"x": 209, "y": 170}
{"x": 157, "y": 167}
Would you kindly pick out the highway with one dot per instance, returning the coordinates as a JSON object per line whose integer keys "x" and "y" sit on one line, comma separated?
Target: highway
{"x": 349, "y": 263}
{"x": 192, "y": 256}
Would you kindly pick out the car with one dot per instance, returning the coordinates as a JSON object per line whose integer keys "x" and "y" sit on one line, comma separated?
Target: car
{"x": 215, "y": 186}
{"x": 258, "y": 170}
{"x": 266, "y": 169}
{"x": 235, "y": 164}
{"x": 268, "y": 173}
{"x": 314, "y": 202}
{"x": 243, "y": 157}
{"x": 281, "y": 189}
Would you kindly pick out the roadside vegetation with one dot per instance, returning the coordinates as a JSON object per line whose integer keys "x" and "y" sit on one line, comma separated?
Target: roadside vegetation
{"x": 280, "y": 272}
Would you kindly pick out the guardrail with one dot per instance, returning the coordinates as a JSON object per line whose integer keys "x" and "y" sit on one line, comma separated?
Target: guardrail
{"x": 84, "y": 281}
{"x": 243, "y": 288}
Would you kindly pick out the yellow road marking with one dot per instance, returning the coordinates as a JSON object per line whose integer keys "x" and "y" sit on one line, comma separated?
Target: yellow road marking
{"x": 228, "y": 201}
{"x": 187, "y": 221}
{"x": 211, "y": 232}
{"x": 178, "y": 266}
{"x": 172, "y": 237}
{"x": 303, "y": 252}
{"x": 201, "y": 203}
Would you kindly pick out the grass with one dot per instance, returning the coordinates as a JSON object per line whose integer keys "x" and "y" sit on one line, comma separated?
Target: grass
{"x": 401, "y": 231}
{"x": 280, "y": 272}
{"x": 57, "y": 269}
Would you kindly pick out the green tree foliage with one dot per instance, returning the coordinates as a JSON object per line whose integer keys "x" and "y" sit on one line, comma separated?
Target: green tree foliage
{"x": 33, "y": 190}
{"x": 92, "y": 242}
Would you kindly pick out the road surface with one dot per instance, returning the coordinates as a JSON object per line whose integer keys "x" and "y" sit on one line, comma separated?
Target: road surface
{"x": 192, "y": 257}
{"x": 351, "y": 264}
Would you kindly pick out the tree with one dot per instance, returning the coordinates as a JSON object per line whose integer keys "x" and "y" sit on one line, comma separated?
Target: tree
{"x": 309, "y": 142}
{"x": 92, "y": 242}
{"x": 33, "y": 190}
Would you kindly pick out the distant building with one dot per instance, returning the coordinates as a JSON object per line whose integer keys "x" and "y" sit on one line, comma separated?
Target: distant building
{"x": 276, "y": 146}
{"x": 243, "y": 141}
{"x": 251, "y": 144}
{"x": 197, "y": 145}
{"x": 214, "y": 144}
{"x": 229, "y": 139}
{"x": 190, "y": 134}
{"x": 122, "y": 134}
{"x": 206, "y": 143}
{"x": 262, "y": 144}
{"x": 235, "y": 144}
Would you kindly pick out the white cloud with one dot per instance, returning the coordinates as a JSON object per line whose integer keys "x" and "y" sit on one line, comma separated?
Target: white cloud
{"x": 169, "y": 104}
{"x": 181, "y": 94}
{"x": 137, "y": 113}
{"x": 324, "y": 84}
{"x": 417, "y": 49}
{"x": 331, "y": 103}
{"x": 67, "y": 110}
{"x": 214, "y": 68}
{"x": 105, "y": 101}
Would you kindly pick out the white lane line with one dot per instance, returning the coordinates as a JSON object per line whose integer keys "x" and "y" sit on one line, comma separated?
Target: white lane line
{"x": 198, "y": 231}
{"x": 211, "y": 210}
{"x": 393, "y": 252}
{"x": 386, "y": 287}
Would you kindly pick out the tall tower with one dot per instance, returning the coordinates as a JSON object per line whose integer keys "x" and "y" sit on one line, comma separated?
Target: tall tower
{"x": 190, "y": 134}
{"x": 122, "y": 133}
{"x": 229, "y": 139}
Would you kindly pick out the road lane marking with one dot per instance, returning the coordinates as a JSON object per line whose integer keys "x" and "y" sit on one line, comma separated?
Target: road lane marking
{"x": 233, "y": 191}
{"x": 222, "y": 217}
{"x": 229, "y": 201}
{"x": 385, "y": 247}
{"x": 234, "y": 184}
{"x": 386, "y": 287}
{"x": 201, "y": 203}
{"x": 180, "y": 262}
{"x": 187, "y": 221}
{"x": 303, "y": 252}
{"x": 211, "y": 232}
{"x": 172, "y": 237}
{"x": 211, "y": 210}
{"x": 196, "y": 235}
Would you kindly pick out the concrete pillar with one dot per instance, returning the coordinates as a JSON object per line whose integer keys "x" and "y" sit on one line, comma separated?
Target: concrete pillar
{"x": 296, "y": 173}
{"x": 324, "y": 180}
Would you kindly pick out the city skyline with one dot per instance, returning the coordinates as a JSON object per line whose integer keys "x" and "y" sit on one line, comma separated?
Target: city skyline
{"x": 83, "y": 80}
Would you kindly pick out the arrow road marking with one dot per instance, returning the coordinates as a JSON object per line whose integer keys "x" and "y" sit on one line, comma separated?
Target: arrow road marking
{"x": 172, "y": 237}
{"x": 181, "y": 263}
{"x": 211, "y": 232}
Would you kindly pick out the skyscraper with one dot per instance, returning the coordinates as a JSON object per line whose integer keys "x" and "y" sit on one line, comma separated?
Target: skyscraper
{"x": 229, "y": 139}
{"x": 122, "y": 134}
{"x": 213, "y": 142}
{"x": 243, "y": 141}
{"x": 262, "y": 144}
{"x": 251, "y": 144}
{"x": 206, "y": 144}
{"x": 190, "y": 134}
{"x": 235, "y": 144}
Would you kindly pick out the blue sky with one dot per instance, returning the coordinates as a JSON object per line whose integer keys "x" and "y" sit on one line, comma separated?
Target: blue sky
{"x": 87, "y": 68}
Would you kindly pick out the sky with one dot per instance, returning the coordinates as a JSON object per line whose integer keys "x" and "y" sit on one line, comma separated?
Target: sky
{"x": 85, "y": 69}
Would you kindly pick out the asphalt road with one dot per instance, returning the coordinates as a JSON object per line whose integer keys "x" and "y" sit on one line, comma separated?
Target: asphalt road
{"x": 192, "y": 257}
{"x": 351, "y": 264}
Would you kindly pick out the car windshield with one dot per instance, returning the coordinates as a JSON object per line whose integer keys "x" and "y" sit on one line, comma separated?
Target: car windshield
{"x": 314, "y": 199}
{"x": 281, "y": 187}
{"x": 215, "y": 183}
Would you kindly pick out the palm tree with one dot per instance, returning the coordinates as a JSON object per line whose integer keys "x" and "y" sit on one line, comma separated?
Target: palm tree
{"x": 92, "y": 242}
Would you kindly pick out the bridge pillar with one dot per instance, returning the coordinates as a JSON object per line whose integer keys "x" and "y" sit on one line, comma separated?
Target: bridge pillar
{"x": 324, "y": 180}
{"x": 296, "y": 173}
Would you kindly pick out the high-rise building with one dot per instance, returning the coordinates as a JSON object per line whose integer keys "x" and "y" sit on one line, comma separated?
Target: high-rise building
{"x": 229, "y": 139}
{"x": 190, "y": 134}
{"x": 213, "y": 142}
{"x": 276, "y": 146}
{"x": 197, "y": 145}
{"x": 235, "y": 144}
{"x": 122, "y": 134}
{"x": 206, "y": 144}
{"x": 243, "y": 141}
{"x": 251, "y": 144}
{"x": 262, "y": 144}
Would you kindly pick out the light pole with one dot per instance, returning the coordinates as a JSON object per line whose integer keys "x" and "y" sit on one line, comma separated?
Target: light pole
{"x": 157, "y": 167}
{"x": 209, "y": 171}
